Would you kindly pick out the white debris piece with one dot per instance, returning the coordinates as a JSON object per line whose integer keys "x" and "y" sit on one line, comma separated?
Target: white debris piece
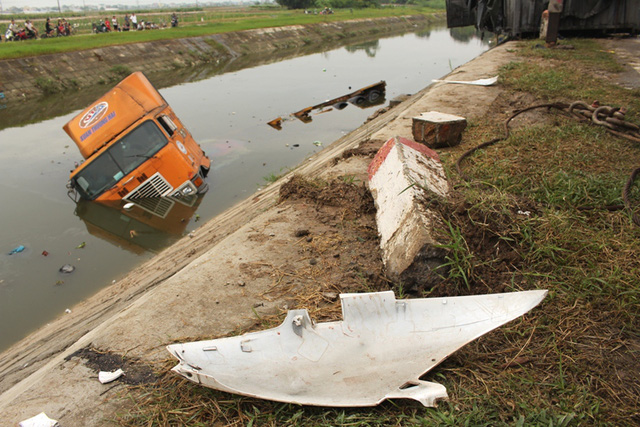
{"x": 480, "y": 82}
{"x": 378, "y": 351}
{"x": 40, "y": 420}
{"x": 106, "y": 377}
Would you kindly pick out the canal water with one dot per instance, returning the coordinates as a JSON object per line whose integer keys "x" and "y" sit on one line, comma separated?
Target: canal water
{"x": 227, "y": 115}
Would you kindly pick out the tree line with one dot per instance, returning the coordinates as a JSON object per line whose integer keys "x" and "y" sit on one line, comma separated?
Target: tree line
{"x": 354, "y": 4}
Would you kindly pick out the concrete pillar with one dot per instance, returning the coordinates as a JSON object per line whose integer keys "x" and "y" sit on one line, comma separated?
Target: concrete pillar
{"x": 403, "y": 177}
{"x": 438, "y": 130}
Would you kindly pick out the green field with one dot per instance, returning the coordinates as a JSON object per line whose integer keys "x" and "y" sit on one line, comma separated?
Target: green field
{"x": 192, "y": 24}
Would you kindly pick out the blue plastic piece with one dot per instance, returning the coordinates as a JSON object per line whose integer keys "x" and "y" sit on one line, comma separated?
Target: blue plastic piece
{"x": 16, "y": 250}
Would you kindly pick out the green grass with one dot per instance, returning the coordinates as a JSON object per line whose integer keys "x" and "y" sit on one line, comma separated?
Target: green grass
{"x": 271, "y": 178}
{"x": 459, "y": 259}
{"x": 119, "y": 72}
{"x": 191, "y": 25}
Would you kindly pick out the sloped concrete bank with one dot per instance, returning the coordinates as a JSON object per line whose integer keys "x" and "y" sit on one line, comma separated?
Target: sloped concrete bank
{"x": 215, "y": 282}
{"x": 28, "y": 77}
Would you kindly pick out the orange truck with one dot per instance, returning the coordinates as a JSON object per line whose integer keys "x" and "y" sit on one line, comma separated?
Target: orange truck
{"x": 135, "y": 147}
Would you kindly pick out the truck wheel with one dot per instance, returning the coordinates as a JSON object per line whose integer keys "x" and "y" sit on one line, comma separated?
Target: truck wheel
{"x": 373, "y": 96}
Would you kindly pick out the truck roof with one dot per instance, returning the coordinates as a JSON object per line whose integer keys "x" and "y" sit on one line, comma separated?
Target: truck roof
{"x": 126, "y": 103}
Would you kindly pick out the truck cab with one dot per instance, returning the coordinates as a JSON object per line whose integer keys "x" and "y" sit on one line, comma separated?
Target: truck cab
{"x": 135, "y": 147}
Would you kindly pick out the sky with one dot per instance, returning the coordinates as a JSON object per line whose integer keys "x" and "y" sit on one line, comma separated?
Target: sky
{"x": 6, "y": 4}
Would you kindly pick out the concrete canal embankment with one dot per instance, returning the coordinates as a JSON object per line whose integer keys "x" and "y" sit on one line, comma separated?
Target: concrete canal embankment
{"x": 30, "y": 77}
{"x": 247, "y": 262}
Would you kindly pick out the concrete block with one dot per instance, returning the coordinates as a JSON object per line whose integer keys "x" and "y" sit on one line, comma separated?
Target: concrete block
{"x": 403, "y": 176}
{"x": 438, "y": 130}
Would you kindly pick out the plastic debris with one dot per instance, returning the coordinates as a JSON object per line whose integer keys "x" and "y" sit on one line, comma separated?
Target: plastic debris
{"x": 106, "y": 377}
{"x": 16, "y": 250}
{"x": 67, "y": 268}
{"x": 129, "y": 205}
{"x": 379, "y": 351}
{"x": 40, "y": 420}
{"x": 81, "y": 245}
{"x": 317, "y": 143}
{"x": 480, "y": 82}
{"x": 68, "y": 311}
{"x": 45, "y": 253}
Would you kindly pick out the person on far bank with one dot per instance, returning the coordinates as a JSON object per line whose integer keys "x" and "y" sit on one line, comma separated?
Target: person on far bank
{"x": 31, "y": 30}
{"x": 48, "y": 28}
{"x": 114, "y": 23}
{"x": 125, "y": 27}
{"x": 12, "y": 30}
{"x": 134, "y": 21}
{"x": 107, "y": 24}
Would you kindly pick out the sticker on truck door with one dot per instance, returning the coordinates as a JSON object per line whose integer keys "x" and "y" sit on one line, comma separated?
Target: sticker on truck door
{"x": 181, "y": 147}
{"x": 93, "y": 115}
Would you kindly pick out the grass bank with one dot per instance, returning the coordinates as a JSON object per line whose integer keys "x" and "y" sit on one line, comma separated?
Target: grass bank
{"x": 537, "y": 212}
{"x": 192, "y": 24}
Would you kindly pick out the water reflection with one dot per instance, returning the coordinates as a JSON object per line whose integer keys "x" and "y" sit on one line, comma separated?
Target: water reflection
{"x": 463, "y": 34}
{"x": 370, "y": 48}
{"x": 149, "y": 224}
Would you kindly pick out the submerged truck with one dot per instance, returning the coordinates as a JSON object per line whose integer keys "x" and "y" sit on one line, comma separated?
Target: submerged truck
{"x": 135, "y": 147}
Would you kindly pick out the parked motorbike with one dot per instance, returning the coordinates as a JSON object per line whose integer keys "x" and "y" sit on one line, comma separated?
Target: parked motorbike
{"x": 23, "y": 35}
{"x": 46, "y": 35}
{"x": 100, "y": 27}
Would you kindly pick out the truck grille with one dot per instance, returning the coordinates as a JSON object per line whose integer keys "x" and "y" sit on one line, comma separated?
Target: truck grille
{"x": 158, "y": 206}
{"x": 156, "y": 186}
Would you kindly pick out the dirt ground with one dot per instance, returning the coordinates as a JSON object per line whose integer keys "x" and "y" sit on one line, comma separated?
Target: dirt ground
{"x": 298, "y": 243}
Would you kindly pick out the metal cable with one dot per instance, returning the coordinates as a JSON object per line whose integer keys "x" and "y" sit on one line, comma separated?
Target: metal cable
{"x": 611, "y": 118}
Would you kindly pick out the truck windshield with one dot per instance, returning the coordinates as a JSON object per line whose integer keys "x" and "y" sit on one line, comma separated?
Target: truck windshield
{"x": 124, "y": 156}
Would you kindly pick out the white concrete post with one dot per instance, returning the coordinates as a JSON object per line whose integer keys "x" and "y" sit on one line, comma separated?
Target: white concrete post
{"x": 402, "y": 177}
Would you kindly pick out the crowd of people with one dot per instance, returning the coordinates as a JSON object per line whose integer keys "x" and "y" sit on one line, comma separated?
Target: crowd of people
{"x": 130, "y": 23}
{"x": 29, "y": 31}
{"x": 63, "y": 28}
{"x": 16, "y": 32}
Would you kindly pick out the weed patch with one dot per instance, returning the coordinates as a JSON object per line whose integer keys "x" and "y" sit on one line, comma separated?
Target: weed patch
{"x": 47, "y": 86}
{"x": 119, "y": 72}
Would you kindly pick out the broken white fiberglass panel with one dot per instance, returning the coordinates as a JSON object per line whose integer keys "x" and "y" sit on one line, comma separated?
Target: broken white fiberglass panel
{"x": 378, "y": 351}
